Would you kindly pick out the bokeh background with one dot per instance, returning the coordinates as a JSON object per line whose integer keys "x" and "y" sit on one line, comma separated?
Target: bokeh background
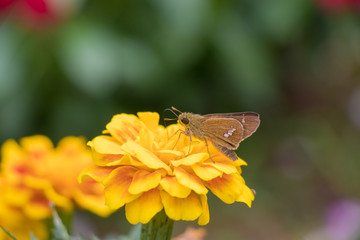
{"x": 66, "y": 67}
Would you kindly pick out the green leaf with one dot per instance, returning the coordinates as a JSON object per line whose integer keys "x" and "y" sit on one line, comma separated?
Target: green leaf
{"x": 8, "y": 233}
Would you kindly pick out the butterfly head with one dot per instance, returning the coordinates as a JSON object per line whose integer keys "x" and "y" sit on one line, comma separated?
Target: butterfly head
{"x": 184, "y": 119}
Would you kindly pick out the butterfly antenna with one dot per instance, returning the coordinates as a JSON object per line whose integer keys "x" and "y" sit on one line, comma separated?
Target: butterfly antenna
{"x": 173, "y": 108}
{"x": 168, "y": 119}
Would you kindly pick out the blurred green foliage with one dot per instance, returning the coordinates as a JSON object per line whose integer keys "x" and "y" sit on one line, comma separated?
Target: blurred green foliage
{"x": 291, "y": 61}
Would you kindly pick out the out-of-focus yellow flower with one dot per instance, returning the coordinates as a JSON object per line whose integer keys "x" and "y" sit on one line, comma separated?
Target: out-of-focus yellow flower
{"x": 16, "y": 204}
{"x": 36, "y": 173}
{"x": 146, "y": 168}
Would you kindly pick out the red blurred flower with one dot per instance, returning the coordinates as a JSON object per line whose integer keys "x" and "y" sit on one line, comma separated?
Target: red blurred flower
{"x": 337, "y": 6}
{"x": 36, "y": 14}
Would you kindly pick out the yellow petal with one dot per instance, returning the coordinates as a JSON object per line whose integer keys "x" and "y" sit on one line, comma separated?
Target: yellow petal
{"x": 117, "y": 185}
{"x": 206, "y": 172}
{"x": 12, "y": 158}
{"x": 150, "y": 119}
{"x": 71, "y": 145}
{"x": 38, "y": 210}
{"x": 174, "y": 188}
{"x": 59, "y": 200}
{"x": 227, "y": 188}
{"x": 37, "y": 144}
{"x": 190, "y": 180}
{"x": 247, "y": 196}
{"x": 187, "y": 209}
{"x": 240, "y": 162}
{"x": 144, "y": 181}
{"x": 124, "y": 127}
{"x": 145, "y": 156}
{"x": 106, "y": 145}
{"x": 190, "y": 160}
{"x": 146, "y": 138}
{"x": 205, "y": 215}
{"x": 144, "y": 208}
{"x": 168, "y": 155}
{"x": 99, "y": 174}
{"x": 224, "y": 165}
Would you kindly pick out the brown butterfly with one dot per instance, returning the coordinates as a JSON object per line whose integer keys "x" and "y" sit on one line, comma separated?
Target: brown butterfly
{"x": 224, "y": 130}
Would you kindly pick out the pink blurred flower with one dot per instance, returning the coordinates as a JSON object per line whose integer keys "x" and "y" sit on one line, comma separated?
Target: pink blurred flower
{"x": 343, "y": 220}
{"x": 37, "y": 14}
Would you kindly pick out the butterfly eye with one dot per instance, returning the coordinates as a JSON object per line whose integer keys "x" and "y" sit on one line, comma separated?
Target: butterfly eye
{"x": 185, "y": 120}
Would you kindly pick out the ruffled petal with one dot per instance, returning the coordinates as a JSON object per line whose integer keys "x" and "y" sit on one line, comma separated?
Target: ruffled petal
{"x": 174, "y": 188}
{"x": 107, "y": 159}
{"x": 227, "y": 188}
{"x": 168, "y": 155}
{"x": 190, "y": 180}
{"x": 144, "y": 181}
{"x": 146, "y": 138}
{"x": 124, "y": 127}
{"x": 187, "y": 209}
{"x": 190, "y": 160}
{"x": 106, "y": 145}
{"x": 145, "y": 156}
{"x": 99, "y": 174}
{"x": 206, "y": 172}
{"x": 205, "y": 215}
{"x": 224, "y": 165}
{"x": 246, "y": 196}
{"x": 90, "y": 196}
{"x": 144, "y": 208}
{"x": 150, "y": 119}
{"x": 117, "y": 185}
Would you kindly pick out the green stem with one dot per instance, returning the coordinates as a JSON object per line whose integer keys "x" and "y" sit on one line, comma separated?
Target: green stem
{"x": 159, "y": 228}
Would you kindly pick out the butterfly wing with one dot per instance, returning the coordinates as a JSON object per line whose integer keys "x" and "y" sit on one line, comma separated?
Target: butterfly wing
{"x": 249, "y": 120}
{"x": 226, "y": 132}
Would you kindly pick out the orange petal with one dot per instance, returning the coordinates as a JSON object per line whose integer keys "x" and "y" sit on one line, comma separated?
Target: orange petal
{"x": 117, "y": 185}
{"x": 107, "y": 159}
{"x": 144, "y": 181}
{"x": 144, "y": 208}
{"x": 174, "y": 188}
{"x": 227, "y": 188}
{"x": 124, "y": 127}
{"x": 190, "y": 180}
{"x": 150, "y": 119}
{"x": 99, "y": 174}
{"x": 206, "y": 172}
{"x": 205, "y": 215}
{"x": 246, "y": 196}
{"x": 145, "y": 156}
{"x": 90, "y": 195}
{"x": 190, "y": 160}
{"x": 93, "y": 203}
{"x": 106, "y": 145}
{"x": 187, "y": 209}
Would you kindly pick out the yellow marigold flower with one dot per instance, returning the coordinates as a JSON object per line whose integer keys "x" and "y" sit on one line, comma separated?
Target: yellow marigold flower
{"x": 16, "y": 204}
{"x": 146, "y": 168}
{"x": 44, "y": 173}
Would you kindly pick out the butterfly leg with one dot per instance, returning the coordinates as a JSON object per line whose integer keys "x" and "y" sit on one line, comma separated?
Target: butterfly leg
{"x": 207, "y": 148}
{"x": 181, "y": 132}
